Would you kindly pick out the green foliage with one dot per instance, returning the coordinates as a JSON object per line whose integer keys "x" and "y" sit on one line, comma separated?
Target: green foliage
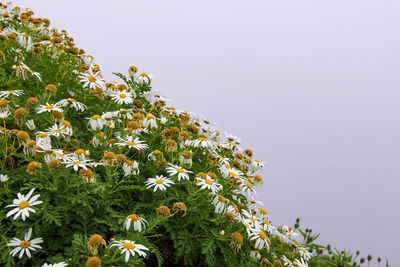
{"x": 92, "y": 155}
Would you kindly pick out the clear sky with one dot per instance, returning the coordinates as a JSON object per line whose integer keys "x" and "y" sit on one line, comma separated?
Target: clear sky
{"x": 313, "y": 87}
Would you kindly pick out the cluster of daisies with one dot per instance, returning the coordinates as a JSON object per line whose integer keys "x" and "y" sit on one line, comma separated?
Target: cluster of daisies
{"x": 128, "y": 118}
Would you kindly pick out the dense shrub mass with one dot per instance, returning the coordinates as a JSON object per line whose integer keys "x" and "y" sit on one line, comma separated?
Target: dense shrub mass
{"x": 97, "y": 173}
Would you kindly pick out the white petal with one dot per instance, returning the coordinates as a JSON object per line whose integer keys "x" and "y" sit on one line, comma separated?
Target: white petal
{"x": 127, "y": 256}
{"x": 30, "y": 193}
{"x": 11, "y": 212}
{"x": 28, "y": 234}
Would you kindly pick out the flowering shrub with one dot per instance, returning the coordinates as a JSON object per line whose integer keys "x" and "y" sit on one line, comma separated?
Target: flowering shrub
{"x": 107, "y": 173}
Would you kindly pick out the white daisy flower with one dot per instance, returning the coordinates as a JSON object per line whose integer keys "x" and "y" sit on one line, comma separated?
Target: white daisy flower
{"x": 286, "y": 261}
{"x": 144, "y": 78}
{"x": 267, "y": 227}
{"x": 4, "y": 94}
{"x": 245, "y": 187}
{"x": 185, "y": 160}
{"x": 249, "y": 219}
{"x": 43, "y": 139}
{"x": 130, "y": 167}
{"x": 257, "y": 164}
{"x": 220, "y": 203}
{"x": 66, "y": 127}
{"x": 31, "y": 125}
{"x": 139, "y": 131}
{"x": 175, "y": 169}
{"x": 95, "y": 164}
{"x": 3, "y": 178}
{"x": 159, "y": 182}
{"x": 163, "y": 120}
{"x": 150, "y": 122}
{"x": 78, "y": 106}
{"x": 255, "y": 202}
{"x": 262, "y": 241}
{"x": 57, "y": 131}
{"x": 96, "y": 122}
{"x": 123, "y": 97}
{"x": 304, "y": 253}
{"x": 229, "y": 172}
{"x": 255, "y": 254}
{"x": 4, "y": 114}
{"x": 23, "y": 205}
{"x": 261, "y": 214}
{"x": 232, "y": 138}
{"x": 203, "y": 142}
{"x": 139, "y": 224}
{"x": 96, "y": 141}
{"x": 48, "y": 108}
{"x": 22, "y": 70}
{"x": 24, "y": 246}
{"x": 25, "y": 40}
{"x": 81, "y": 154}
{"x": 301, "y": 263}
{"x": 130, "y": 142}
{"x": 130, "y": 248}
{"x": 49, "y": 153}
{"x": 110, "y": 118}
{"x": 208, "y": 183}
{"x": 232, "y": 207}
{"x": 5, "y": 107}
{"x": 92, "y": 80}
{"x": 75, "y": 163}
{"x": 60, "y": 264}
{"x": 88, "y": 59}
{"x": 229, "y": 145}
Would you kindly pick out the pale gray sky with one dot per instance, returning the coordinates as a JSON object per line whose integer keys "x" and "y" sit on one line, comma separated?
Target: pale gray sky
{"x": 311, "y": 86}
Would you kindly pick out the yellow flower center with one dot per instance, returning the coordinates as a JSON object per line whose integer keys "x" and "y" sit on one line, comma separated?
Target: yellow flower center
{"x": 129, "y": 246}
{"x": 25, "y": 244}
{"x": 258, "y": 178}
{"x": 201, "y": 139}
{"x": 79, "y": 151}
{"x": 144, "y": 74}
{"x": 122, "y": 95}
{"x": 95, "y": 117}
{"x": 42, "y": 135}
{"x": 72, "y": 100}
{"x": 252, "y": 219}
{"x": 11, "y": 91}
{"x": 23, "y": 205}
{"x": 232, "y": 173}
{"x": 263, "y": 211}
{"x": 150, "y": 116}
{"x": 76, "y": 162}
{"x": 131, "y": 143}
{"x": 66, "y": 123}
{"x": 159, "y": 181}
{"x": 209, "y": 182}
{"x": 56, "y": 131}
{"x": 221, "y": 198}
{"x": 134, "y": 217}
{"x": 92, "y": 79}
{"x": 262, "y": 235}
{"x": 49, "y": 107}
{"x": 180, "y": 170}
